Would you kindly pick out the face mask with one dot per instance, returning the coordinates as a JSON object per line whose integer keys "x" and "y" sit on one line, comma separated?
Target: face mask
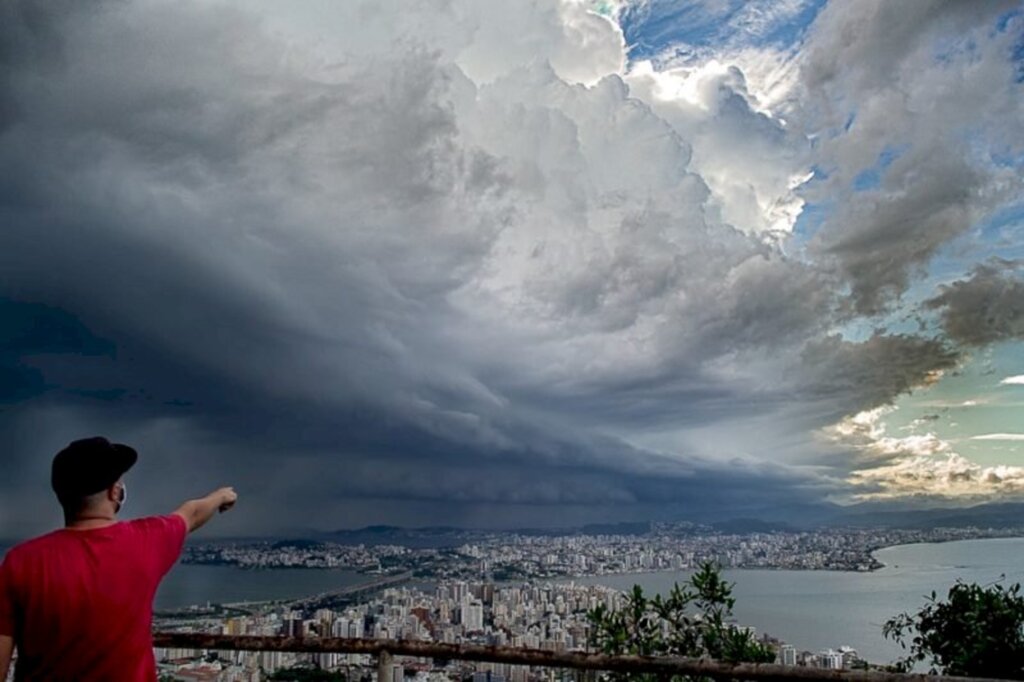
{"x": 124, "y": 496}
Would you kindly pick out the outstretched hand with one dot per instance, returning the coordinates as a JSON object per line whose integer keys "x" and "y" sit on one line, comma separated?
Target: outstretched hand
{"x": 228, "y": 498}
{"x": 197, "y": 512}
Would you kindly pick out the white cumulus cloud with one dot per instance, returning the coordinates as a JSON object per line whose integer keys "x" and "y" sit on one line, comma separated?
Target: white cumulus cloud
{"x": 922, "y": 465}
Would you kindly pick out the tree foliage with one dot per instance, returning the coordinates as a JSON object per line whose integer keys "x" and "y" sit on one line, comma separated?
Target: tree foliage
{"x": 977, "y": 631}
{"x": 691, "y": 621}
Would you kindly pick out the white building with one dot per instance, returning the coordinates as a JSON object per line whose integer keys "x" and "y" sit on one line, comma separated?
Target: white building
{"x": 831, "y": 660}
{"x": 472, "y": 616}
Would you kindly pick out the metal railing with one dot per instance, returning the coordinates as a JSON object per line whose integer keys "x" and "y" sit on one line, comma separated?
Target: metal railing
{"x": 663, "y": 666}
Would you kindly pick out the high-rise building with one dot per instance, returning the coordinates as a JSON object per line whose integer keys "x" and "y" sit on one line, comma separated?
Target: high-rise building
{"x": 355, "y": 627}
{"x": 270, "y": 661}
{"x": 339, "y": 628}
{"x": 787, "y": 654}
{"x": 472, "y": 616}
{"x": 328, "y": 661}
{"x": 295, "y": 627}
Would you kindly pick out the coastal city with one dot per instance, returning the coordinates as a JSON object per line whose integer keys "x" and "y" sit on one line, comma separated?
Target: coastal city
{"x": 546, "y": 616}
{"x": 510, "y": 590}
{"x": 512, "y": 556}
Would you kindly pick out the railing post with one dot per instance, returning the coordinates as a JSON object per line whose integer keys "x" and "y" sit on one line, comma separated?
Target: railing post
{"x": 384, "y": 667}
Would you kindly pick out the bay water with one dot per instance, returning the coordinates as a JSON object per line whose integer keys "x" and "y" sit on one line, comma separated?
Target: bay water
{"x": 816, "y": 610}
{"x": 190, "y": 584}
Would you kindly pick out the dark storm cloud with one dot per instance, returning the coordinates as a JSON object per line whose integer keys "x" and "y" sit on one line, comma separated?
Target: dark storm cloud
{"x": 29, "y": 335}
{"x": 369, "y": 288}
{"x": 985, "y": 308}
{"x": 869, "y": 39}
{"x": 855, "y": 376}
{"x": 304, "y": 468}
{"x": 887, "y": 236}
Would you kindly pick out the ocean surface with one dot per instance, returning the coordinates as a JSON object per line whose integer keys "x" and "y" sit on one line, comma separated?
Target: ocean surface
{"x": 189, "y": 584}
{"x": 815, "y": 610}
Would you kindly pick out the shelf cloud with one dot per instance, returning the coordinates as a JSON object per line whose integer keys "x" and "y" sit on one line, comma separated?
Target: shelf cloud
{"x": 475, "y": 263}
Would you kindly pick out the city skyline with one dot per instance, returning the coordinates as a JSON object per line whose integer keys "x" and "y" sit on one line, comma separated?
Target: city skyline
{"x": 494, "y": 264}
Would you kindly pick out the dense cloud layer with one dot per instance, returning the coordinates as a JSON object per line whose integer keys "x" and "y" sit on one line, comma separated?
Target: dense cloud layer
{"x": 985, "y": 308}
{"x": 422, "y": 268}
{"x": 900, "y": 86}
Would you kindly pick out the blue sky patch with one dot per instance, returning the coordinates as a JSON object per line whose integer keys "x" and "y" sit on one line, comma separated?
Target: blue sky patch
{"x": 687, "y": 28}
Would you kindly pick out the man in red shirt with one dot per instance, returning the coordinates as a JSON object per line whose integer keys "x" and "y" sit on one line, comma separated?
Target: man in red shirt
{"x": 78, "y": 602}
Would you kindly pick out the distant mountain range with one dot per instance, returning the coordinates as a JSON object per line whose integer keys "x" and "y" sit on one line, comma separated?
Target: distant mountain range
{"x": 776, "y": 519}
{"x": 1001, "y": 515}
{"x": 878, "y": 515}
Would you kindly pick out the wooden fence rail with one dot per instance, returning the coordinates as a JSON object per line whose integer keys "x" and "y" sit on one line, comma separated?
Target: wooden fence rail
{"x": 666, "y": 666}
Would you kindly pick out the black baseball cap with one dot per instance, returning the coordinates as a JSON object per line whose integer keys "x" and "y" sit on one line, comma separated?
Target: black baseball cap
{"x": 88, "y": 466}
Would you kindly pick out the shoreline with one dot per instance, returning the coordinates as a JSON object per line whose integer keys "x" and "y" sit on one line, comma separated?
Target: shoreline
{"x": 882, "y": 564}
{"x": 878, "y": 565}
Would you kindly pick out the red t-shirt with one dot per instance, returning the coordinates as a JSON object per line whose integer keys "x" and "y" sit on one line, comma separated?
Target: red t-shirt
{"x": 79, "y": 603}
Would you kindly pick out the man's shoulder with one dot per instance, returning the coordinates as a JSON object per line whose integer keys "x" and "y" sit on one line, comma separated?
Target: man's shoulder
{"x": 38, "y": 542}
{"x": 33, "y": 546}
{"x": 162, "y": 537}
